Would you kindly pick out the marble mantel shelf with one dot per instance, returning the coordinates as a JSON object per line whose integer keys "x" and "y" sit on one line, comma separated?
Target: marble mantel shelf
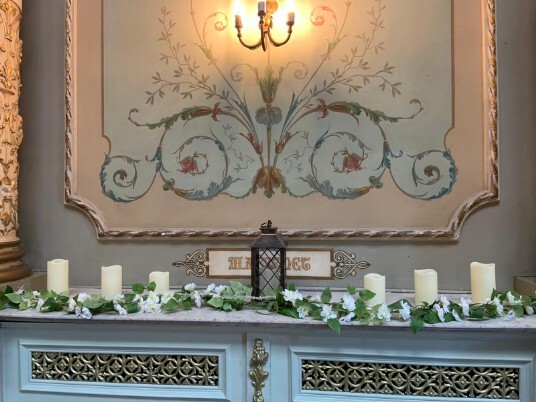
{"x": 248, "y": 317}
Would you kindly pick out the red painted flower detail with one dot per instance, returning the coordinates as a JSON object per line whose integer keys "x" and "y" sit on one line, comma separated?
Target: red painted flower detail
{"x": 352, "y": 162}
{"x": 189, "y": 165}
{"x": 217, "y": 111}
{"x": 322, "y": 108}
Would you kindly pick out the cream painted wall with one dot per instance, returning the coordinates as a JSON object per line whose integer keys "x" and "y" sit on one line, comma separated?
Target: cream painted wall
{"x": 504, "y": 234}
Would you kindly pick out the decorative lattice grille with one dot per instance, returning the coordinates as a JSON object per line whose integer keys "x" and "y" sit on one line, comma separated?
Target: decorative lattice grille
{"x": 411, "y": 380}
{"x": 126, "y": 368}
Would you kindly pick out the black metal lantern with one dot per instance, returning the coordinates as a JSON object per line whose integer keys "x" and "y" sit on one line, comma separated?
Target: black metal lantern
{"x": 268, "y": 261}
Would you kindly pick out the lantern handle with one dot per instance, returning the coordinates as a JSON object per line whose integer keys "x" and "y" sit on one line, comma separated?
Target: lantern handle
{"x": 266, "y": 225}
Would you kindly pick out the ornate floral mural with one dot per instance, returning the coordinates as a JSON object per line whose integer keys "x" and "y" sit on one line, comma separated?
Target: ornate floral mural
{"x": 215, "y": 119}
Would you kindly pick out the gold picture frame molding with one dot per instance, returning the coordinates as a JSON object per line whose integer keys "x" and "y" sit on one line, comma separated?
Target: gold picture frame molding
{"x": 490, "y": 195}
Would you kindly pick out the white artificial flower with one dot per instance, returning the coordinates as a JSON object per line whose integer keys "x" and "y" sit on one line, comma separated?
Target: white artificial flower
{"x": 303, "y": 311}
{"x": 83, "y": 312}
{"x": 456, "y": 315}
{"x": 72, "y": 305}
{"x": 21, "y": 290}
{"x": 498, "y": 305}
{"x": 190, "y": 286}
{"x": 511, "y": 314}
{"x": 197, "y": 298}
{"x": 466, "y": 306}
{"x": 147, "y": 306}
{"x": 316, "y": 298}
{"x": 444, "y": 304}
{"x": 120, "y": 309}
{"x": 529, "y": 310}
{"x": 348, "y": 302}
{"x": 440, "y": 312}
{"x": 347, "y": 318}
{"x": 327, "y": 313}
{"x": 511, "y": 298}
{"x": 35, "y": 293}
{"x": 137, "y": 298}
{"x": 220, "y": 289}
{"x": 166, "y": 296}
{"x": 292, "y": 296}
{"x": 117, "y": 299}
{"x": 405, "y": 313}
{"x": 153, "y": 297}
{"x": 210, "y": 288}
{"x": 40, "y": 303}
{"x": 384, "y": 313}
{"x": 82, "y": 297}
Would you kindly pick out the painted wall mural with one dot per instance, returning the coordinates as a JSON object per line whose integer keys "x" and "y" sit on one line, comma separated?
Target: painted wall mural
{"x": 223, "y": 125}
{"x": 376, "y": 120}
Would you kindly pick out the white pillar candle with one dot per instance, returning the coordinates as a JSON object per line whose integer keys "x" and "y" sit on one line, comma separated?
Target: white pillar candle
{"x": 161, "y": 279}
{"x": 58, "y": 275}
{"x": 375, "y": 283}
{"x": 482, "y": 281}
{"x": 425, "y": 286}
{"x": 111, "y": 281}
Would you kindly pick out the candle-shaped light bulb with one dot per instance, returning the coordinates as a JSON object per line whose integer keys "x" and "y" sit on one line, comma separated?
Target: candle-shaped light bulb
{"x": 261, "y": 6}
{"x": 238, "y": 21}
{"x": 290, "y": 18}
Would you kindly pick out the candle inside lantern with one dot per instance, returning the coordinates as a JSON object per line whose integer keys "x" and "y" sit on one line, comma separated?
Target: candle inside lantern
{"x": 161, "y": 279}
{"x": 262, "y": 6}
{"x": 425, "y": 286}
{"x": 482, "y": 281}
{"x": 58, "y": 275}
{"x": 111, "y": 281}
{"x": 375, "y": 283}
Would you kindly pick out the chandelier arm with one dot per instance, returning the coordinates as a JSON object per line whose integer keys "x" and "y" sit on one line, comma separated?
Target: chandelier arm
{"x": 250, "y": 47}
{"x": 276, "y": 43}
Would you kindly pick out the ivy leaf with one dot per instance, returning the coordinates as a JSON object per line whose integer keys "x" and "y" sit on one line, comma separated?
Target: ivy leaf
{"x": 129, "y": 297}
{"x": 351, "y": 289}
{"x": 14, "y": 298}
{"x": 151, "y": 287}
{"x": 187, "y": 304}
{"x": 92, "y": 304}
{"x": 28, "y": 295}
{"x": 477, "y": 313}
{"x": 46, "y": 294}
{"x": 335, "y": 325}
{"x": 24, "y": 305}
{"x": 9, "y": 289}
{"x": 272, "y": 307}
{"x": 227, "y": 306}
{"x": 131, "y": 308}
{"x": 138, "y": 288}
{"x": 416, "y": 324}
{"x": 171, "y": 305}
{"x": 519, "y": 310}
{"x": 326, "y": 296}
{"x": 292, "y": 287}
{"x": 366, "y": 295}
{"x": 216, "y": 302}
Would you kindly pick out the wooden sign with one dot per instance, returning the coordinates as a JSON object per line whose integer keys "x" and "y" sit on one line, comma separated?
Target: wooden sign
{"x": 301, "y": 263}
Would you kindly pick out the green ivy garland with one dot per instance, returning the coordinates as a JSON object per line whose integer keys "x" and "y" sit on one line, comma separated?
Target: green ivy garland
{"x": 288, "y": 302}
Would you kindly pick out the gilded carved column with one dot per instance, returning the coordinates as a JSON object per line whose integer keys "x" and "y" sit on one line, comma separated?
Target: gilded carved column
{"x": 11, "y": 267}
